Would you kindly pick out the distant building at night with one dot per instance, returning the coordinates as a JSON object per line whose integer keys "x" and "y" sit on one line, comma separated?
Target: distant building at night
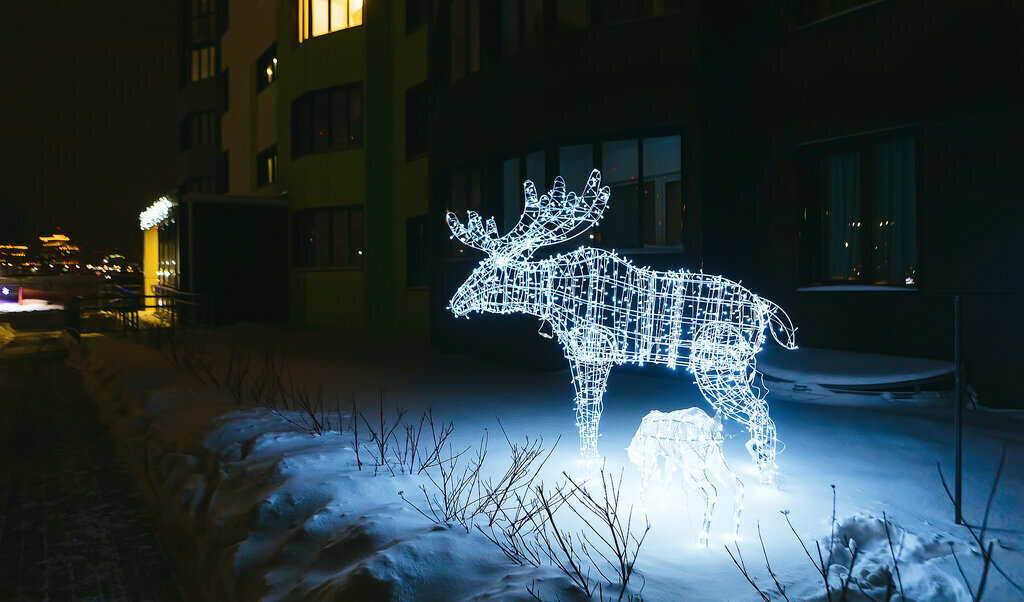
{"x": 58, "y": 253}
{"x": 13, "y": 257}
{"x": 854, "y": 161}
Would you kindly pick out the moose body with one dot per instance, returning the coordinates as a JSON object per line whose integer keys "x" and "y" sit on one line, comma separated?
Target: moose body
{"x": 606, "y": 311}
{"x": 688, "y": 443}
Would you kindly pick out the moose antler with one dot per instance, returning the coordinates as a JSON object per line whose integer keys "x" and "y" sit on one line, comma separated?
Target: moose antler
{"x": 553, "y": 218}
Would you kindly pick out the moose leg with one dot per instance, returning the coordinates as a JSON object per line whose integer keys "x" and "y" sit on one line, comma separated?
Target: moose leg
{"x": 721, "y": 364}
{"x": 590, "y": 381}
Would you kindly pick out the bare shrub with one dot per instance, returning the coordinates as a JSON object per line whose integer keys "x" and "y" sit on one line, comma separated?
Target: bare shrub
{"x": 461, "y": 494}
{"x": 382, "y": 437}
{"x": 894, "y": 582}
{"x": 607, "y": 544}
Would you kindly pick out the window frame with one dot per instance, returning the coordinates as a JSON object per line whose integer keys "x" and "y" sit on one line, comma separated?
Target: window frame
{"x": 354, "y": 252}
{"x": 305, "y": 36}
{"x": 552, "y": 164}
{"x": 191, "y": 130}
{"x": 812, "y": 254}
{"x": 302, "y": 120}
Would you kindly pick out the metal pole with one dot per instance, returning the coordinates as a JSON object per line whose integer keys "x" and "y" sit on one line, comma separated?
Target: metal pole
{"x": 958, "y": 426}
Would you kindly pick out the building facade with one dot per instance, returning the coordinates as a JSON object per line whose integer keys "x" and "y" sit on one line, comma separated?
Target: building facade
{"x": 852, "y": 160}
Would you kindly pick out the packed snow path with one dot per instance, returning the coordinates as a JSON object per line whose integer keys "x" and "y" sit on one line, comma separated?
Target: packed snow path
{"x": 70, "y": 525}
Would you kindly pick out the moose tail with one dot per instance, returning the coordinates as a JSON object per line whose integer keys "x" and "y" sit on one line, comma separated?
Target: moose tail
{"x": 781, "y": 326}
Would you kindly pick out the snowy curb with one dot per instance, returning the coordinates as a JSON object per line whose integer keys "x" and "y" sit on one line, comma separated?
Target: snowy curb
{"x": 252, "y": 508}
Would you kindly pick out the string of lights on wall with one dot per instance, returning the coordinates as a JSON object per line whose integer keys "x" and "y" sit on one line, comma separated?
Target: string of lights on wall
{"x": 605, "y": 310}
{"x": 155, "y": 213}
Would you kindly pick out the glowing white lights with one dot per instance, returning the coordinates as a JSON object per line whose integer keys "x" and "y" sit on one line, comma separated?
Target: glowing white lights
{"x": 607, "y": 311}
{"x": 155, "y": 213}
{"x": 690, "y": 441}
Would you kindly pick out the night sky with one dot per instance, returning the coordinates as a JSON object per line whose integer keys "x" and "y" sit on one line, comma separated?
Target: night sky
{"x": 89, "y": 126}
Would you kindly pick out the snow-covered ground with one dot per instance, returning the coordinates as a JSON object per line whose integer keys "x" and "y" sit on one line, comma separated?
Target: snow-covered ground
{"x": 10, "y": 307}
{"x": 261, "y": 509}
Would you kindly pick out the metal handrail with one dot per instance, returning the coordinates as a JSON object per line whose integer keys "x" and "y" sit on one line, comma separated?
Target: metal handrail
{"x": 127, "y": 304}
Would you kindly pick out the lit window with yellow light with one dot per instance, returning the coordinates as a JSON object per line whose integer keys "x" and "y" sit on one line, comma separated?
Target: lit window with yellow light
{"x": 319, "y": 17}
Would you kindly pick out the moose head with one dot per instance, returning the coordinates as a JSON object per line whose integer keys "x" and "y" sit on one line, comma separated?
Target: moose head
{"x": 550, "y": 219}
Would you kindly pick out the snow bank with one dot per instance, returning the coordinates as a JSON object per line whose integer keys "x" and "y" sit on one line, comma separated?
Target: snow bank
{"x": 261, "y": 510}
{"x": 922, "y": 564}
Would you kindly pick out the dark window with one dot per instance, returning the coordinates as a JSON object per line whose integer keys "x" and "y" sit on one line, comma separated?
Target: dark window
{"x": 466, "y": 194}
{"x": 465, "y": 38}
{"x": 415, "y": 14}
{"x": 266, "y": 68}
{"x": 328, "y": 120}
{"x": 620, "y": 227}
{"x": 266, "y": 166}
{"x": 861, "y": 215}
{"x": 328, "y": 237}
{"x": 202, "y": 184}
{"x": 416, "y": 121}
{"x": 662, "y": 191}
{"x": 202, "y": 18}
{"x": 416, "y": 252}
{"x": 199, "y": 129}
{"x": 645, "y": 177}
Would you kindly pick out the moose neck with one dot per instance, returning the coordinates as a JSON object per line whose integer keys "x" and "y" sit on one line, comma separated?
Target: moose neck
{"x": 524, "y": 288}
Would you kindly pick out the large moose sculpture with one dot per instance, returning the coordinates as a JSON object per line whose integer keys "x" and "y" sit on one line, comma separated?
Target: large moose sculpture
{"x": 607, "y": 311}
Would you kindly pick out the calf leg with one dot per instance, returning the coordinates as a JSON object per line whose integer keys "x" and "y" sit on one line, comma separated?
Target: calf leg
{"x": 717, "y": 466}
{"x": 700, "y": 482}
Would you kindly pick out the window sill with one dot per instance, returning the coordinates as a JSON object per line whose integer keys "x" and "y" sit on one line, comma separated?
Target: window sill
{"x": 324, "y": 35}
{"x": 855, "y": 288}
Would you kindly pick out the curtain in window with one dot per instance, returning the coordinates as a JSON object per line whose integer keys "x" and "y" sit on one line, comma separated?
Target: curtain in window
{"x": 894, "y": 228}
{"x": 841, "y": 216}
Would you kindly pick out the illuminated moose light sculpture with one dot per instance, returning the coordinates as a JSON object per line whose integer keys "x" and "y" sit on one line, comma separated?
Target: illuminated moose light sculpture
{"x": 607, "y": 311}
{"x": 690, "y": 441}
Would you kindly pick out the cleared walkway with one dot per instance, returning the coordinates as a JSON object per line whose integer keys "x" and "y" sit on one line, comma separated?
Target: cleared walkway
{"x": 71, "y": 527}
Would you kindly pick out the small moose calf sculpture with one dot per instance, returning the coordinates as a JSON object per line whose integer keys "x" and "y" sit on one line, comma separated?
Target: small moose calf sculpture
{"x": 690, "y": 441}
